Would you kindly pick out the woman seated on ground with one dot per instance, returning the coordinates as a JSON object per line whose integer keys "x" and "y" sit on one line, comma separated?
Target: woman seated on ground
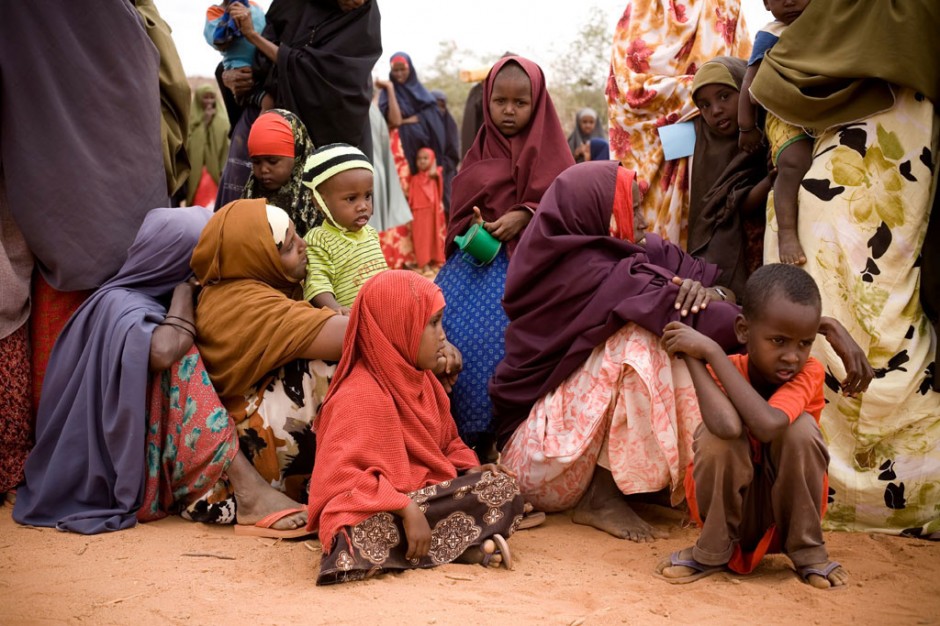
{"x": 394, "y": 486}
{"x": 596, "y": 409}
{"x": 129, "y": 427}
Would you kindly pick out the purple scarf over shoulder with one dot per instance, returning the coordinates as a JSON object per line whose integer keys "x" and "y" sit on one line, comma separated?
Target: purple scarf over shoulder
{"x": 86, "y": 472}
{"x": 570, "y": 286}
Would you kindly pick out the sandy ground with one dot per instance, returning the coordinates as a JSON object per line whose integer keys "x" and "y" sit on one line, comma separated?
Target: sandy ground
{"x": 177, "y": 572}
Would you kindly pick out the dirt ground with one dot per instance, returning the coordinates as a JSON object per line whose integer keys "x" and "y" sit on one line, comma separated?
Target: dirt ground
{"x": 178, "y": 572}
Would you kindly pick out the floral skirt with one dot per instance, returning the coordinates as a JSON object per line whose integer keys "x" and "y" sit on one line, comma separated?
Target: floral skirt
{"x": 190, "y": 438}
{"x": 630, "y": 396}
{"x": 275, "y": 432}
{"x": 16, "y": 422}
{"x": 462, "y": 513}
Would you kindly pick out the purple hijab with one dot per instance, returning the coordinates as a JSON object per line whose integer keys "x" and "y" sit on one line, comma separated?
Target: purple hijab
{"x": 570, "y": 286}
{"x": 86, "y": 472}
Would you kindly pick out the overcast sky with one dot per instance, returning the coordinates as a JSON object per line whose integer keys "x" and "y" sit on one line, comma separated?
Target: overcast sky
{"x": 538, "y": 29}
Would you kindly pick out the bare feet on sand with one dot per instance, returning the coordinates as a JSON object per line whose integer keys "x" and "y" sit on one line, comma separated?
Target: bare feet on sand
{"x": 257, "y": 499}
{"x": 604, "y": 508}
{"x": 475, "y": 555}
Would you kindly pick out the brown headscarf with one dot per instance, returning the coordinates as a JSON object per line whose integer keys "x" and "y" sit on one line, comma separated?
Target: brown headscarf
{"x": 500, "y": 174}
{"x": 247, "y": 320}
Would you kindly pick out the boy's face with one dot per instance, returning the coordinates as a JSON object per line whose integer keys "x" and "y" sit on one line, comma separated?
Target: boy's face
{"x": 779, "y": 341}
{"x": 294, "y": 255}
{"x": 511, "y": 102}
{"x": 785, "y": 10}
{"x": 719, "y": 107}
{"x": 271, "y": 171}
{"x": 423, "y": 161}
{"x": 431, "y": 348}
{"x": 348, "y": 196}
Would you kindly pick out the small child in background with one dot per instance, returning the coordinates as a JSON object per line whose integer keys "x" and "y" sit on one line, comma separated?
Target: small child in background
{"x": 278, "y": 148}
{"x": 791, "y": 148}
{"x": 426, "y": 197}
{"x": 758, "y": 481}
{"x": 222, "y": 33}
{"x": 344, "y": 252}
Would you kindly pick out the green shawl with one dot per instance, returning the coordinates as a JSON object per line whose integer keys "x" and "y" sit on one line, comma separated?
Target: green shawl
{"x": 207, "y": 144}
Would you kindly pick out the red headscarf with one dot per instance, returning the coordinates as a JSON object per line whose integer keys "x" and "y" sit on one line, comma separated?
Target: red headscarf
{"x": 271, "y": 135}
{"x": 385, "y": 428}
{"x": 502, "y": 173}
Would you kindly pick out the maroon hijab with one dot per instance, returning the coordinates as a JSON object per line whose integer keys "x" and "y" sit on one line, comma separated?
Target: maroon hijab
{"x": 502, "y": 173}
{"x": 571, "y": 285}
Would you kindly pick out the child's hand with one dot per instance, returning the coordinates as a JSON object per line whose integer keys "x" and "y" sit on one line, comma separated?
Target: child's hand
{"x": 693, "y": 297}
{"x": 750, "y": 140}
{"x": 417, "y": 531}
{"x": 477, "y": 216}
{"x": 681, "y": 339}
{"x": 344, "y": 310}
{"x": 496, "y": 468}
{"x": 509, "y": 225}
{"x": 242, "y": 16}
{"x": 449, "y": 367}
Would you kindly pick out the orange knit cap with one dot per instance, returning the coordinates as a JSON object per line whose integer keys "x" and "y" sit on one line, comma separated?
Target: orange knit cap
{"x": 271, "y": 135}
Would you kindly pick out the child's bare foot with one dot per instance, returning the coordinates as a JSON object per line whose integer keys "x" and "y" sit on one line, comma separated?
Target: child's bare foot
{"x": 826, "y": 575}
{"x": 483, "y": 554}
{"x": 604, "y": 508}
{"x": 791, "y": 252}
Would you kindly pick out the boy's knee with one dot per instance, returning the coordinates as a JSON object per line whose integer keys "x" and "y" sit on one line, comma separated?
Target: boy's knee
{"x": 803, "y": 438}
{"x": 708, "y": 447}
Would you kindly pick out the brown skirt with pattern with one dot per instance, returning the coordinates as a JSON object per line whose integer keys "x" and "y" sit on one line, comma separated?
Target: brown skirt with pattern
{"x": 463, "y": 512}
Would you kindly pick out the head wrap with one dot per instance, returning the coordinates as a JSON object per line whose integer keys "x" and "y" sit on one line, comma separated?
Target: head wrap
{"x": 271, "y": 135}
{"x": 568, "y": 266}
{"x": 327, "y": 162}
{"x": 401, "y": 58}
{"x": 279, "y": 223}
{"x": 292, "y": 197}
{"x": 502, "y": 173}
{"x": 247, "y": 320}
{"x": 714, "y": 73}
{"x": 385, "y": 427}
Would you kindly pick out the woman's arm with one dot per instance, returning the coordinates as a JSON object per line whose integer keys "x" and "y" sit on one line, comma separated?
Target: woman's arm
{"x": 176, "y": 334}
{"x": 328, "y": 344}
{"x": 393, "y": 115}
{"x": 242, "y": 16}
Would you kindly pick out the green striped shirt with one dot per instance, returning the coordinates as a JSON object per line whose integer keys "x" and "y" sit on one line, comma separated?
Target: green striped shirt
{"x": 337, "y": 265}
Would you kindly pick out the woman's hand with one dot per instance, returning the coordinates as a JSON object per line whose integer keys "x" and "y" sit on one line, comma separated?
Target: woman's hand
{"x": 681, "y": 339}
{"x": 381, "y": 83}
{"x": 509, "y": 225}
{"x": 239, "y": 81}
{"x": 242, "y": 16}
{"x": 496, "y": 468}
{"x": 417, "y": 531}
{"x": 858, "y": 371}
{"x": 449, "y": 367}
{"x": 693, "y": 297}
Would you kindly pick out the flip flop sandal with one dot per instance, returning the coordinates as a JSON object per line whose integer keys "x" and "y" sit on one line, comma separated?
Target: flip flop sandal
{"x": 531, "y": 520}
{"x": 502, "y": 549}
{"x": 807, "y": 570}
{"x": 262, "y": 528}
{"x": 701, "y": 570}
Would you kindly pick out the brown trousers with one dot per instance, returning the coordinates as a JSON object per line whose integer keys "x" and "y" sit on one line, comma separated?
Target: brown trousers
{"x": 739, "y": 500}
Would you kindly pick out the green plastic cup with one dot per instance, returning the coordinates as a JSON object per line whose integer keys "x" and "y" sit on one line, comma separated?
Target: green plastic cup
{"x": 478, "y": 245}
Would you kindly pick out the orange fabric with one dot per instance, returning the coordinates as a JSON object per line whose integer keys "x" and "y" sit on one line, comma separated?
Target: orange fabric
{"x": 249, "y": 319}
{"x": 803, "y": 394}
{"x": 51, "y": 310}
{"x": 271, "y": 135}
{"x": 385, "y": 427}
{"x": 206, "y": 191}
{"x": 426, "y": 197}
{"x": 214, "y": 12}
{"x": 621, "y": 225}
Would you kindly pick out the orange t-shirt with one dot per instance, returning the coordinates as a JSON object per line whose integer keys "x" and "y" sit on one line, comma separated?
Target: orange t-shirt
{"x": 803, "y": 394}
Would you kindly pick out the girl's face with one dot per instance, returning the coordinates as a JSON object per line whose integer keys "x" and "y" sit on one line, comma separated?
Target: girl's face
{"x": 400, "y": 72}
{"x": 431, "y": 348}
{"x": 294, "y": 255}
{"x": 208, "y": 101}
{"x": 719, "y": 107}
{"x": 348, "y": 196}
{"x": 271, "y": 171}
{"x": 587, "y": 123}
{"x": 424, "y": 160}
{"x": 511, "y": 101}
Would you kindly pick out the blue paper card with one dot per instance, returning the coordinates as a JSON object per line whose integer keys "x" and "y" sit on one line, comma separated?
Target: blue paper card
{"x": 678, "y": 140}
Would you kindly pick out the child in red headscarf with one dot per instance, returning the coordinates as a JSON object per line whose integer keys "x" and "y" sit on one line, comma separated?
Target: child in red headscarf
{"x": 425, "y": 196}
{"x": 393, "y": 486}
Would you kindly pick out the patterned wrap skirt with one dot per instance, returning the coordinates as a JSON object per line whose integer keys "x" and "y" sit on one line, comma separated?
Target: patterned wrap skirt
{"x": 16, "y": 422}
{"x": 462, "y": 513}
{"x": 475, "y": 322}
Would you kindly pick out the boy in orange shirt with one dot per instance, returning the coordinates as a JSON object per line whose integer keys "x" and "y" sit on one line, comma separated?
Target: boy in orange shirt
{"x": 759, "y": 478}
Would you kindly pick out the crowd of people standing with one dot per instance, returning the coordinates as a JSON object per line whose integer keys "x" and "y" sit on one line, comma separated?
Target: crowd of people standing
{"x": 325, "y": 352}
